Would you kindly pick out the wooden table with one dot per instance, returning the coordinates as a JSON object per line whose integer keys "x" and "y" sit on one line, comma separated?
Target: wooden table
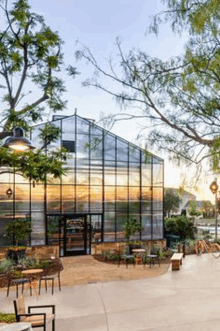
{"x": 33, "y": 274}
{"x": 139, "y": 256}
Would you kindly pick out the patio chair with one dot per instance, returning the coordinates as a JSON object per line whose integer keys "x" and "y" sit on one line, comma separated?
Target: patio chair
{"x": 126, "y": 257}
{"x": 36, "y": 320}
{"x": 17, "y": 282}
{"x": 45, "y": 277}
{"x": 154, "y": 255}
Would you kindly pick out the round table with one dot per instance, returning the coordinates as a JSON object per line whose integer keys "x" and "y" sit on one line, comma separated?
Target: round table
{"x": 33, "y": 274}
{"x": 139, "y": 257}
{"x": 21, "y": 326}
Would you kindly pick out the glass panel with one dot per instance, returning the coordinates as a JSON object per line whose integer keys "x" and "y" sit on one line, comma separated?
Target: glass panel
{"x": 109, "y": 226}
{"x": 82, "y": 176}
{"x": 96, "y": 199}
{"x": 146, "y": 174}
{"x": 38, "y": 229}
{"x": 75, "y": 235}
{"x": 37, "y": 198}
{"x": 134, "y": 200}
{"x": 53, "y": 230}
{"x": 68, "y": 128}
{"x": 53, "y": 197}
{"x": 82, "y": 146}
{"x": 122, "y": 173}
{"x": 82, "y": 126}
{"x": 157, "y": 198}
{"x": 69, "y": 178}
{"x": 4, "y": 221}
{"x": 134, "y": 174}
{"x": 22, "y": 195}
{"x": 158, "y": 225}
{"x": 96, "y": 147}
{"x": 18, "y": 178}
{"x": 96, "y": 227}
{"x": 82, "y": 198}
{"x": 95, "y": 130}
{"x": 134, "y": 154}
{"x": 146, "y": 157}
{"x": 5, "y": 175}
{"x": 120, "y": 225}
{"x": 96, "y": 175}
{"x": 146, "y": 227}
{"x": 109, "y": 147}
{"x": 137, "y": 235}
{"x": 157, "y": 174}
{"x": 109, "y": 172}
{"x": 68, "y": 198}
{"x": 146, "y": 199}
{"x": 122, "y": 150}
{"x": 122, "y": 199}
{"x": 110, "y": 198}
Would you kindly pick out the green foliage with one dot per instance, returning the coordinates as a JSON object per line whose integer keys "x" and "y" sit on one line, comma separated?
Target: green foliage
{"x": 28, "y": 262}
{"x": 193, "y": 208}
{"x": 19, "y": 228}
{"x": 178, "y": 98}
{"x": 131, "y": 227}
{"x": 171, "y": 201}
{"x": 110, "y": 256}
{"x": 30, "y": 55}
{"x": 5, "y": 266}
{"x": 7, "y": 318}
{"x": 181, "y": 226}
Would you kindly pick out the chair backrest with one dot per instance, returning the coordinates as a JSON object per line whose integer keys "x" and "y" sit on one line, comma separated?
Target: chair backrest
{"x": 19, "y": 306}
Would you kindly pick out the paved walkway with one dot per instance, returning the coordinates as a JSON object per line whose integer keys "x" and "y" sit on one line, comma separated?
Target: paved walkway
{"x": 177, "y": 300}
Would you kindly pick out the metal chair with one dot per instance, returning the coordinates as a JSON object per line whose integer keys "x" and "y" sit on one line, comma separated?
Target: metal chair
{"x": 36, "y": 320}
{"x": 45, "y": 277}
{"x": 17, "y": 282}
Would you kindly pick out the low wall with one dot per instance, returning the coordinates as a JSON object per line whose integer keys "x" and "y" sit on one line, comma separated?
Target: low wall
{"x": 118, "y": 247}
{"x": 40, "y": 252}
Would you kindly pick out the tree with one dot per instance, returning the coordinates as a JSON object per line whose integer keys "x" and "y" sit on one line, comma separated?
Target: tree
{"x": 19, "y": 228}
{"x": 178, "y": 97}
{"x": 30, "y": 60}
{"x": 171, "y": 202}
{"x": 131, "y": 227}
{"x": 193, "y": 212}
{"x": 180, "y": 225}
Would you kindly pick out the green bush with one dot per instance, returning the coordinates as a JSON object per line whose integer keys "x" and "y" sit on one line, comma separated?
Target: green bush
{"x": 7, "y": 318}
{"x": 6, "y": 265}
{"x": 180, "y": 226}
{"x": 28, "y": 262}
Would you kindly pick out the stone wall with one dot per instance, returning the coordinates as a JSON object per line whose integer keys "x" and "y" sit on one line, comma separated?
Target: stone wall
{"x": 118, "y": 247}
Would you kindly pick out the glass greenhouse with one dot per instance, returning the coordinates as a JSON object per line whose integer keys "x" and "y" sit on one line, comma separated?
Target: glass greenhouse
{"x": 108, "y": 180}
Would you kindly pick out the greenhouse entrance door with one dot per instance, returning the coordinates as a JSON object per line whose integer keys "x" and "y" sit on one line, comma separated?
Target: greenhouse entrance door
{"x": 75, "y": 234}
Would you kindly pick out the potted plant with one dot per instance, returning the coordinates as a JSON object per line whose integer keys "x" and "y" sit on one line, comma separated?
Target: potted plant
{"x": 131, "y": 227}
{"x": 19, "y": 229}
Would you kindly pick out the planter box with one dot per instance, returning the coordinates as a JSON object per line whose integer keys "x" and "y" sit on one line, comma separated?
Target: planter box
{"x": 16, "y": 255}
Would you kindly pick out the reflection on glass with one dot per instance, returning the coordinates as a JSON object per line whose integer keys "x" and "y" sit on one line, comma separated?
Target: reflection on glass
{"x": 68, "y": 198}
{"x": 53, "y": 197}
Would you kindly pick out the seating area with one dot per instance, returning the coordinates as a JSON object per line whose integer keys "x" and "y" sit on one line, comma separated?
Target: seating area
{"x": 36, "y": 319}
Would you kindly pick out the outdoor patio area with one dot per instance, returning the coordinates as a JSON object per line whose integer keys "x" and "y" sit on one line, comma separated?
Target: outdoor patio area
{"x": 177, "y": 300}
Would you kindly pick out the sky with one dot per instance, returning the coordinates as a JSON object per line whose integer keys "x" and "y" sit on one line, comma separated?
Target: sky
{"x": 97, "y": 24}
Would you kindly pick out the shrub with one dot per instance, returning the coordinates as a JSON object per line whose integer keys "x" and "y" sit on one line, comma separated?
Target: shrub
{"x": 7, "y": 318}
{"x": 181, "y": 226}
{"x": 28, "y": 262}
{"x": 6, "y": 265}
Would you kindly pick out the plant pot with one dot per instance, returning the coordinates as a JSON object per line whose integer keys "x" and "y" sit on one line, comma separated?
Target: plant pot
{"x": 16, "y": 254}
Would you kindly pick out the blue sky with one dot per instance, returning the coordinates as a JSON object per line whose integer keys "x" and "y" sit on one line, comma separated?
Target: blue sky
{"x": 97, "y": 24}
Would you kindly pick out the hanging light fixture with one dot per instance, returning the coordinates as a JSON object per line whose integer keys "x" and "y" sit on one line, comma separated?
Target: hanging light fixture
{"x": 18, "y": 141}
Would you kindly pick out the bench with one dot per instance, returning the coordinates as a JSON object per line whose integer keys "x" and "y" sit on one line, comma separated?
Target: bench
{"x": 176, "y": 260}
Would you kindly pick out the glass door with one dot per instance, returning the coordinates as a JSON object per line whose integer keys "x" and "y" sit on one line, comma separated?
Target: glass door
{"x": 75, "y": 235}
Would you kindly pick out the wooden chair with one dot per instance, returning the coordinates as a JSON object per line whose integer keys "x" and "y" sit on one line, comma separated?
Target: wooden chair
{"x": 36, "y": 320}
